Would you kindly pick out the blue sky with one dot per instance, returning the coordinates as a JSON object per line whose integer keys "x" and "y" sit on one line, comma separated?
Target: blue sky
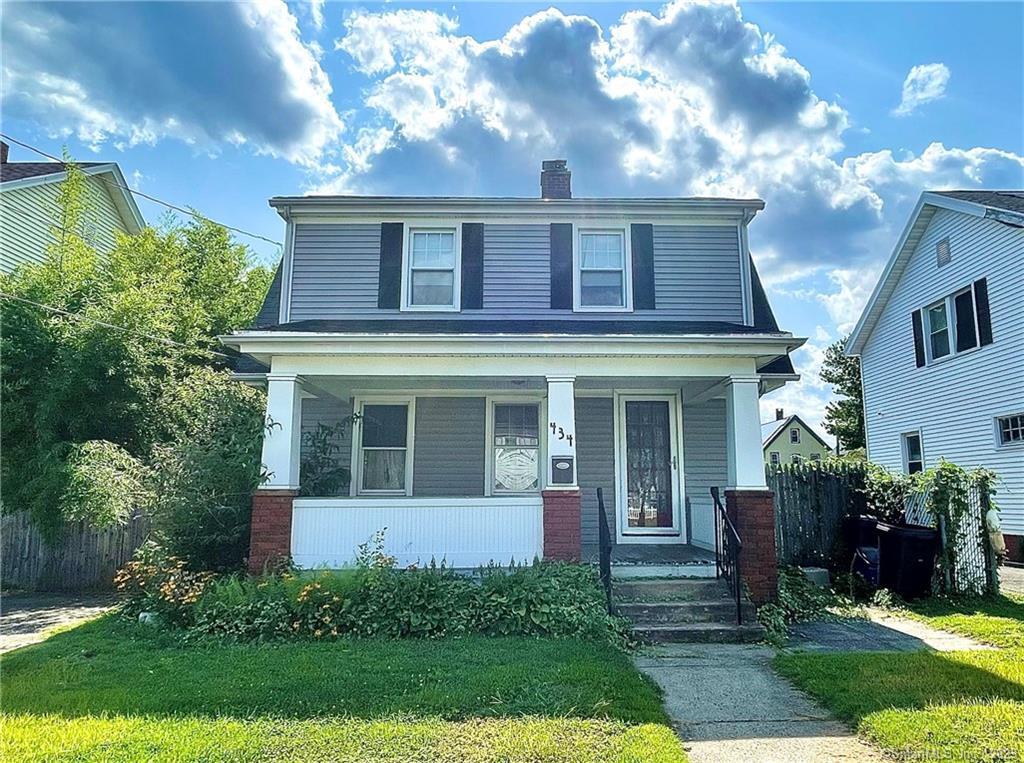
{"x": 837, "y": 114}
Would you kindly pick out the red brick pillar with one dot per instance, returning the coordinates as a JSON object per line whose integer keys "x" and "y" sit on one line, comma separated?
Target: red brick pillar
{"x": 270, "y": 537}
{"x": 753, "y": 513}
{"x": 562, "y": 525}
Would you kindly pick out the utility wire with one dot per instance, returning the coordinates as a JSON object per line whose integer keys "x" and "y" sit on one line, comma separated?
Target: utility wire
{"x": 154, "y": 199}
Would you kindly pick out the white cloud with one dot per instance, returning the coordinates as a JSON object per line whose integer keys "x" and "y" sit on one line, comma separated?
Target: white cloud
{"x": 924, "y": 83}
{"x": 845, "y": 305}
{"x": 316, "y": 12}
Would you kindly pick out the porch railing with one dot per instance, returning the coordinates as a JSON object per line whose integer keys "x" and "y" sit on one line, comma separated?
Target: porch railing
{"x": 727, "y": 553}
{"x": 604, "y": 550}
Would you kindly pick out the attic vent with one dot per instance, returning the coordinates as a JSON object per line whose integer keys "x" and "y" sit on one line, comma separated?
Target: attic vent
{"x": 942, "y": 254}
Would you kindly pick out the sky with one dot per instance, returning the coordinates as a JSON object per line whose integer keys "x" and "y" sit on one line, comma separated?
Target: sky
{"x": 838, "y": 115}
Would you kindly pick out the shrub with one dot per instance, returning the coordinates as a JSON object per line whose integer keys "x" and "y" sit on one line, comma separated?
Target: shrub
{"x": 106, "y": 484}
{"x": 798, "y": 600}
{"x": 238, "y": 609}
{"x": 156, "y": 581}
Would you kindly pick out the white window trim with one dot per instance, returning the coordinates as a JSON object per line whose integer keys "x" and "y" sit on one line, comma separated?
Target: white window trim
{"x": 906, "y": 451}
{"x": 542, "y": 449}
{"x": 791, "y": 431}
{"x": 431, "y": 226}
{"x": 356, "y": 483}
{"x": 774, "y": 457}
{"x": 599, "y": 226}
{"x": 950, "y": 302}
{"x": 998, "y": 431}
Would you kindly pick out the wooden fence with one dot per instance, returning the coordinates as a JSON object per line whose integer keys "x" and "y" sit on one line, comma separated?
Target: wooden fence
{"x": 810, "y": 503}
{"x": 85, "y": 558}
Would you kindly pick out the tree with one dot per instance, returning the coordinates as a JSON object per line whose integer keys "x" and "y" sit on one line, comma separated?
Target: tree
{"x": 844, "y": 418}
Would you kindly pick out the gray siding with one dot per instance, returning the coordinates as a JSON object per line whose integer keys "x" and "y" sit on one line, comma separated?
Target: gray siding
{"x": 595, "y": 453}
{"x": 327, "y": 410}
{"x": 704, "y": 464}
{"x": 696, "y": 272}
{"x": 955, "y": 401}
{"x": 449, "y": 450}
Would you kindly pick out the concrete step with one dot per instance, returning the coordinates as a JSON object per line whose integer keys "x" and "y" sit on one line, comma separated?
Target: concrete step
{"x": 674, "y": 589}
{"x": 668, "y": 612}
{"x": 627, "y": 571}
{"x": 700, "y": 633}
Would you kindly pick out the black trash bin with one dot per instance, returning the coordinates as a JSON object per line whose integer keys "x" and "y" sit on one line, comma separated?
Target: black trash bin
{"x": 906, "y": 559}
{"x": 860, "y": 530}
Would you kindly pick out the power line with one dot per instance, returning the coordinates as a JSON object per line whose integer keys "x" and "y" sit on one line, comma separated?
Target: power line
{"x": 154, "y": 199}
{"x": 80, "y": 317}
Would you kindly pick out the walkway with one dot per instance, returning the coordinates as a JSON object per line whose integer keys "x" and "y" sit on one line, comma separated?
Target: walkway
{"x": 880, "y": 631}
{"x": 25, "y": 618}
{"x": 1011, "y": 580}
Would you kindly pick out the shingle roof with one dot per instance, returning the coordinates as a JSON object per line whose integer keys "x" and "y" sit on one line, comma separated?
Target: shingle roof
{"x": 11, "y": 171}
{"x": 1011, "y": 201}
{"x": 769, "y": 428}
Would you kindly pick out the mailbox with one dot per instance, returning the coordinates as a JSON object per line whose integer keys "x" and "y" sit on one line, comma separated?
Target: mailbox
{"x": 562, "y": 470}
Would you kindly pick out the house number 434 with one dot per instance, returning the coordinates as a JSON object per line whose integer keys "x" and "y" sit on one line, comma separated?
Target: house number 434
{"x": 559, "y": 432}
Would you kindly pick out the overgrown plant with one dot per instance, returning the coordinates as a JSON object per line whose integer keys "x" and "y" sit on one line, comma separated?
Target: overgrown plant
{"x": 156, "y": 581}
{"x": 323, "y": 471}
{"x": 798, "y": 600}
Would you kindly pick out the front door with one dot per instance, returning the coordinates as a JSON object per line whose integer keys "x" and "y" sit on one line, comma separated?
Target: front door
{"x": 648, "y": 469}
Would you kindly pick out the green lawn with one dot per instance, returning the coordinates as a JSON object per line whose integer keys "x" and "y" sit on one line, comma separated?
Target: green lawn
{"x": 110, "y": 690}
{"x": 915, "y": 705}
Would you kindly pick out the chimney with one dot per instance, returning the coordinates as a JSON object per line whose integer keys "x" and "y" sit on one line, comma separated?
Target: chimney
{"x": 779, "y": 414}
{"x": 554, "y": 180}
{"x": 4, "y": 150}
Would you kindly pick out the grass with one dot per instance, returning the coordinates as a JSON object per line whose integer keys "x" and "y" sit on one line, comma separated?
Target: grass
{"x": 931, "y": 705}
{"x": 112, "y": 690}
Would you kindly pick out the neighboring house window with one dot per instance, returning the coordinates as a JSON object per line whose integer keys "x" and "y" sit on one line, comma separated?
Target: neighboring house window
{"x": 384, "y": 448}
{"x": 794, "y": 435}
{"x": 938, "y": 330}
{"x": 951, "y": 325}
{"x": 602, "y": 271}
{"x": 516, "y": 448}
{"x": 432, "y": 270}
{"x": 775, "y": 458}
{"x": 797, "y": 458}
{"x": 913, "y": 454}
{"x": 815, "y": 457}
{"x": 1011, "y": 429}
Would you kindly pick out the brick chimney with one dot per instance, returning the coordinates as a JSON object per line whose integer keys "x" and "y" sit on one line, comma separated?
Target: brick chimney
{"x": 779, "y": 414}
{"x": 555, "y": 180}
{"x": 4, "y": 151}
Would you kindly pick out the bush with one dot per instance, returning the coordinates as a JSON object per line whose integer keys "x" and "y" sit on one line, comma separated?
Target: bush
{"x": 798, "y": 600}
{"x": 106, "y": 484}
{"x": 156, "y": 581}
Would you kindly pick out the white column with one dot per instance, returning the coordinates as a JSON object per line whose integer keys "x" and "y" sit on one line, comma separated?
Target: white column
{"x": 743, "y": 433}
{"x": 561, "y": 427}
{"x": 281, "y": 441}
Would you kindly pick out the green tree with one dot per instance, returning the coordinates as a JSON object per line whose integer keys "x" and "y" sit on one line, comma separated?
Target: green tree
{"x": 844, "y": 418}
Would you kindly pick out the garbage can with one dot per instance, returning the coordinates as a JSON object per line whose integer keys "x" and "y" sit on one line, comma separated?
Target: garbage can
{"x": 906, "y": 559}
{"x": 860, "y": 530}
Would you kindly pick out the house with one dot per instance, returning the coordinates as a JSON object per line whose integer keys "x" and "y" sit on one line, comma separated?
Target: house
{"x": 29, "y": 211}
{"x": 790, "y": 440}
{"x": 507, "y": 358}
{"x": 941, "y": 345}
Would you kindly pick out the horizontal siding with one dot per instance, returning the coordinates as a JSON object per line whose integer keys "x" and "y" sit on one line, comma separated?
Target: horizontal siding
{"x": 953, "y": 402}
{"x": 449, "y": 448}
{"x": 704, "y": 464}
{"x": 696, "y": 272}
{"x": 595, "y": 455}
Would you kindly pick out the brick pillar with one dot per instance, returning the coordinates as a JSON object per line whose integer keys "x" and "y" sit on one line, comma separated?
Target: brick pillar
{"x": 753, "y": 513}
{"x": 270, "y": 537}
{"x": 562, "y": 525}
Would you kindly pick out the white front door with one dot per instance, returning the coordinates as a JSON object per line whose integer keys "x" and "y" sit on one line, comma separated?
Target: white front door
{"x": 649, "y": 465}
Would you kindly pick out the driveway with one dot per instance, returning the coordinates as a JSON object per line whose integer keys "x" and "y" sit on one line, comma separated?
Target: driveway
{"x": 26, "y": 618}
{"x": 1011, "y": 580}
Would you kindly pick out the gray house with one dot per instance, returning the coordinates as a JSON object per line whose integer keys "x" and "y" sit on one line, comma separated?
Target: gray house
{"x": 507, "y": 357}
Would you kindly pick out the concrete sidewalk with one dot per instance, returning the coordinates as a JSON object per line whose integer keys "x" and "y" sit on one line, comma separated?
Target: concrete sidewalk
{"x": 729, "y": 705}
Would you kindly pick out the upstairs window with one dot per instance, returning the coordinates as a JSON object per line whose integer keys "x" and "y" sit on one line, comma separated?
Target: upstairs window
{"x": 602, "y": 272}
{"x": 957, "y": 323}
{"x": 913, "y": 453}
{"x": 938, "y": 330}
{"x": 1010, "y": 429}
{"x": 794, "y": 435}
{"x": 432, "y": 269}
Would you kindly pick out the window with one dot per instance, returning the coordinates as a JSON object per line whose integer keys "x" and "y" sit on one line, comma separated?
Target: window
{"x": 1011, "y": 429}
{"x": 516, "y": 448}
{"x": 913, "y": 455}
{"x": 432, "y": 270}
{"x": 775, "y": 458}
{"x": 384, "y": 448}
{"x": 602, "y": 282}
{"x": 796, "y": 458}
{"x": 938, "y": 330}
{"x": 794, "y": 435}
{"x": 953, "y": 324}
{"x": 815, "y": 457}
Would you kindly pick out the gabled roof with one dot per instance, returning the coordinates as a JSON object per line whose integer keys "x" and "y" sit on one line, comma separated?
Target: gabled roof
{"x": 14, "y": 175}
{"x": 772, "y": 429}
{"x": 1002, "y": 206}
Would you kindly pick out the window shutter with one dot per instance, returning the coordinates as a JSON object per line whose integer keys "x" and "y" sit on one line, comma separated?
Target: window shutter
{"x": 472, "y": 266}
{"x": 642, "y": 245}
{"x": 389, "y": 277}
{"x": 984, "y": 316}
{"x": 918, "y": 338}
{"x": 561, "y": 266}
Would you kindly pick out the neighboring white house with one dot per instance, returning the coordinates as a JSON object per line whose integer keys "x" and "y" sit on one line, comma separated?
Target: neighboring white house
{"x": 941, "y": 344}
{"x": 29, "y": 211}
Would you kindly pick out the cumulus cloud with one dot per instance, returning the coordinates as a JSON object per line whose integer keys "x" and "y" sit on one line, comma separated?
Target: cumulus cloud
{"x": 924, "y": 83}
{"x": 208, "y": 74}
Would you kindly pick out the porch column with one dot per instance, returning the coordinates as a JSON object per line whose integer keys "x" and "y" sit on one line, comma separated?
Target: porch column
{"x": 271, "y": 525}
{"x": 748, "y": 501}
{"x": 561, "y": 494}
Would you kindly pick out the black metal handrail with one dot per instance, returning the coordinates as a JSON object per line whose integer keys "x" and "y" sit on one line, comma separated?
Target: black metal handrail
{"x": 604, "y": 550}
{"x": 727, "y": 553}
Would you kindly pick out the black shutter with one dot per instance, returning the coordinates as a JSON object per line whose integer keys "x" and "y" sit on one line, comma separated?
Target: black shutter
{"x": 642, "y": 244}
{"x": 561, "y": 266}
{"x": 918, "y": 338}
{"x": 472, "y": 266}
{"x": 984, "y": 316}
{"x": 963, "y": 308}
{"x": 389, "y": 279}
